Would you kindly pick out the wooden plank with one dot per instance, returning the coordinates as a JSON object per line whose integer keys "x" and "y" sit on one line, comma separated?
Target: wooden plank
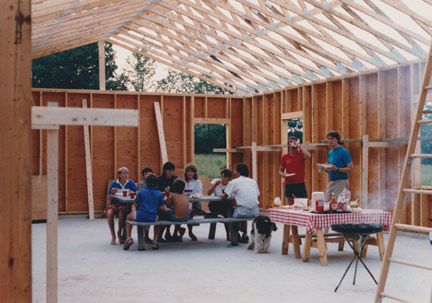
{"x": 211, "y": 121}
{"x": 101, "y": 57}
{"x": 254, "y": 162}
{"x": 161, "y": 134}
{"x": 52, "y": 217}
{"x": 88, "y": 167}
{"x": 365, "y": 171}
{"x": 184, "y": 132}
{"x": 292, "y": 115}
{"x": 89, "y": 116}
{"x": 381, "y": 165}
{"x": 314, "y": 138}
{"x": 39, "y": 197}
{"x": 329, "y": 105}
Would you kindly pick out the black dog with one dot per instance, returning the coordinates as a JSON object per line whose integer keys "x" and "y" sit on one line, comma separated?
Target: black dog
{"x": 260, "y": 240}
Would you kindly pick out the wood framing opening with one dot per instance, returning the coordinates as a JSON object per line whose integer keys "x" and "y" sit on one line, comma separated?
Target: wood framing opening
{"x": 208, "y": 137}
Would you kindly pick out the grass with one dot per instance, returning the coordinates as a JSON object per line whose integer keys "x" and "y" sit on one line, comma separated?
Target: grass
{"x": 426, "y": 174}
{"x": 210, "y": 164}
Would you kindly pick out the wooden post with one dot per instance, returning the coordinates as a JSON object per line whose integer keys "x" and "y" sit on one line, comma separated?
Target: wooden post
{"x": 161, "y": 134}
{"x": 365, "y": 171}
{"x": 254, "y": 162}
{"x": 52, "y": 215}
{"x": 16, "y": 152}
{"x": 101, "y": 55}
{"x": 88, "y": 167}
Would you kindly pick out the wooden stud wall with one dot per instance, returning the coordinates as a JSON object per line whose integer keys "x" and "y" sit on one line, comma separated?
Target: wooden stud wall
{"x": 377, "y": 104}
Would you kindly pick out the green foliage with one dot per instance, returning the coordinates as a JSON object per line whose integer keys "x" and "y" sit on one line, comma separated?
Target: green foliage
{"x": 142, "y": 69}
{"x": 295, "y": 128}
{"x": 178, "y": 82}
{"x": 210, "y": 164}
{"x": 426, "y": 174}
{"x": 426, "y": 131}
{"x": 76, "y": 69}
{"x": 209, "y": 136}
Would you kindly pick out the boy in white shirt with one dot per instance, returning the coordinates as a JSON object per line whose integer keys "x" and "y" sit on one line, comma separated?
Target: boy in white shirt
{"x": 217, "y": 189}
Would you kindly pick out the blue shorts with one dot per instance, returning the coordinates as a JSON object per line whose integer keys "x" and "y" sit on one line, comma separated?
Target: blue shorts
{"x": 145, "y": 217}
{"x": 171, "y": 217}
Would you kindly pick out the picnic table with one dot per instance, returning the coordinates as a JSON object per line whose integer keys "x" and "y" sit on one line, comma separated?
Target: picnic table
{"x": 316, "y": 222}
{"x": 207, "y": 219}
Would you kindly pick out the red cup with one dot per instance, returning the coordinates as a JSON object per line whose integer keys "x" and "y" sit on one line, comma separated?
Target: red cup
{"x": 125, "y": 193}
{"x": 132, "y": 194}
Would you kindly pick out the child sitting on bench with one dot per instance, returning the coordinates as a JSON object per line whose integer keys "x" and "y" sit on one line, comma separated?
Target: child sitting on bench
{"x": 148, "y": 201}
{"x": 181, "y": 211}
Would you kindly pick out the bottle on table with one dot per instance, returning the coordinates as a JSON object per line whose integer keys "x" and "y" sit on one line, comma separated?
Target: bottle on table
{"x": 333, "y": 203}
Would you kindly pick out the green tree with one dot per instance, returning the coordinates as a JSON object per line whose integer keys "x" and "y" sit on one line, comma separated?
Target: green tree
{"x": 141, "y": 71}
{"x": 178, "y": 82}
{"x": 295, "y": 128}
{"x": 76, "y": 69}
{"x": 209, "y": 136}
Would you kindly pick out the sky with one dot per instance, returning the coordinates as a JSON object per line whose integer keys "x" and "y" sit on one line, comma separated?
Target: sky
{"x": 121, "y": 56}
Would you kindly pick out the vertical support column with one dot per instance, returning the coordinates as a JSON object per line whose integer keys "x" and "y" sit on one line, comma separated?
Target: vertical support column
{"x": 329, "y": 105}
{"x": 101, "y": 56}
{"x": 52, "y": 215}
{"x": 314, "y": 137}
{"x": 365, "y": 171}
{"x": 16, "y": 160}
{"x": 381, "y": 134}
{"x": 254, "y": 162}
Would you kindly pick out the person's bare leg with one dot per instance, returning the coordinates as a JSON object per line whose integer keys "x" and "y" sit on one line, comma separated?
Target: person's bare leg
{"x": 191, "y": 234}
{"x": 190, "y": 227}
{"x": 228, "y": 233}
{"x": 244, "y": 227}
{"x": 156, "y": 233}
{"x": 146, "y": 235}
{"x": 120, "y": 228}
{"x": 130, "y": 217}
{"x": 110, "y": 219}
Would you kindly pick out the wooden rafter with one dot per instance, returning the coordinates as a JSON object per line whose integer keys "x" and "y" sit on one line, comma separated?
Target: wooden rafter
{"x": 251, "y": 45}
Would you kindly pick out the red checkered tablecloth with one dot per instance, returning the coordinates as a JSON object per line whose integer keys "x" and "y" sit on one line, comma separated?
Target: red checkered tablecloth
{"x": 312, "y": 220}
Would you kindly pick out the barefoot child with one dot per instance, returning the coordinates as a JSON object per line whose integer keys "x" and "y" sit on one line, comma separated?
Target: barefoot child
{"x": 181, "y": 207}
{"x": 115, "y": 206}
{"x": 147, "y": 203}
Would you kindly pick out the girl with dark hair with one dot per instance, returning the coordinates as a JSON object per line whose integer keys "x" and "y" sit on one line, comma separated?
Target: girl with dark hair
{"x": 193, "y": 186}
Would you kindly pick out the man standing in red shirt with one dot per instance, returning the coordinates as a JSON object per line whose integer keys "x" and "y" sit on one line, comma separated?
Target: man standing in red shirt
{"x": 292, "y": 168}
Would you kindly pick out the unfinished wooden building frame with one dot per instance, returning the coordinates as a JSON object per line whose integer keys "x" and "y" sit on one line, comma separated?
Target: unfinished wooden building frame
{"x": 372, "y": 112}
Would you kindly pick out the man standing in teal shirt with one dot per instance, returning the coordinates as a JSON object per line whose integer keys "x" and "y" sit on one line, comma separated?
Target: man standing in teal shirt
{"x": 340, "y": 166}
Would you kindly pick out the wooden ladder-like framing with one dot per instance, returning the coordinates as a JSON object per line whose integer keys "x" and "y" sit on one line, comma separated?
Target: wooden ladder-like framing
{"x": 410, "y": 156}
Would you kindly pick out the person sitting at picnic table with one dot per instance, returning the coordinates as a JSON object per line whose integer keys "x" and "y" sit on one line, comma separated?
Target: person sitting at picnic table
{"x": 117, "y": 207}
{"x": 193, "y": 186}
{"x": 246, "y": 193}
{"x": 145, "y": 172}
{"x": 218, "y": 186}
{"x": 164, "y": 183}
{"x": 147, "y": 203}
{"x": 177, "y": 208}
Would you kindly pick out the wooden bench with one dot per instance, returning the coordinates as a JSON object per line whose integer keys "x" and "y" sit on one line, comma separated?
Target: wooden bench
{"x": 212, "y": 221}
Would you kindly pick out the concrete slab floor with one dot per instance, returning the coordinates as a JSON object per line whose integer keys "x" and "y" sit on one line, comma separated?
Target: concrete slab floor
{"x": 92, "y": 270}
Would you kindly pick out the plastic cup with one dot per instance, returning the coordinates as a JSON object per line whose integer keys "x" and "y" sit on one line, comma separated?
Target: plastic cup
{"x": 132, "y": 194}
{"x": 125, "y": 193}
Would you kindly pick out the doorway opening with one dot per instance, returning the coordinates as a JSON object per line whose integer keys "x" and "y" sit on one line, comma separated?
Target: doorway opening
{"x": 208, "y": 137}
